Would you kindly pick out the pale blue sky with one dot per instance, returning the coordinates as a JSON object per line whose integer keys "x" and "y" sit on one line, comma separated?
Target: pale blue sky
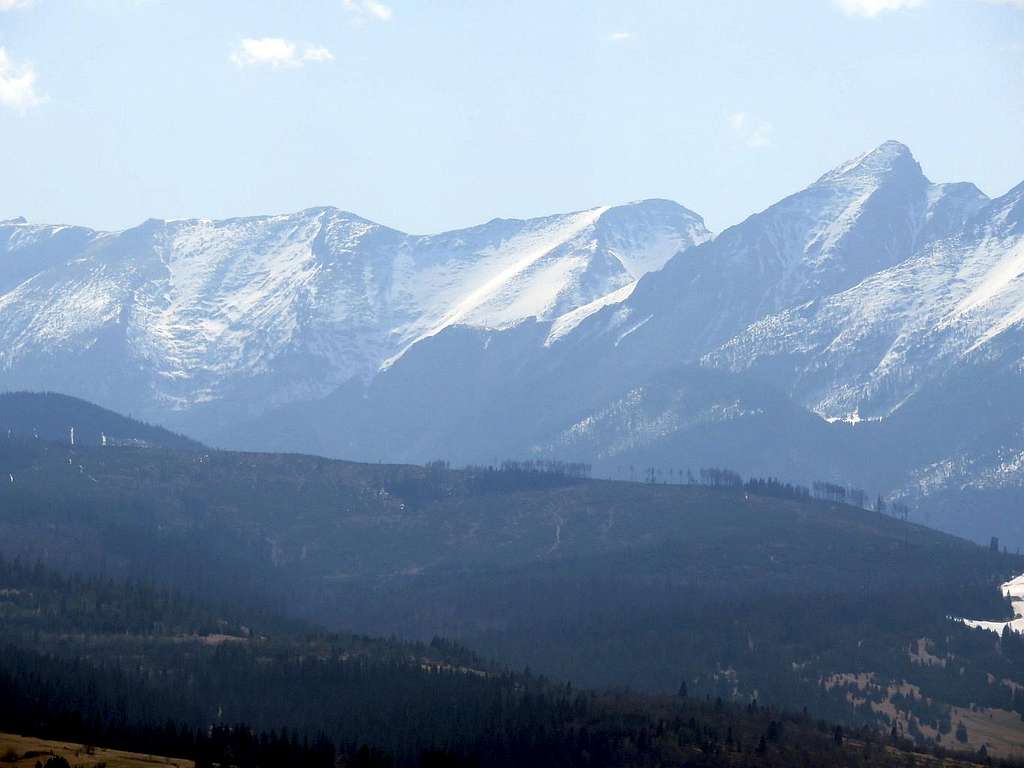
{"x": 434, "y": 115}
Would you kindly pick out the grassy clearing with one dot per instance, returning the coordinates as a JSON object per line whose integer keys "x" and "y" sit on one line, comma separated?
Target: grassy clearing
{"x": 999, "y": 731}
{"x": 25, "y": 752}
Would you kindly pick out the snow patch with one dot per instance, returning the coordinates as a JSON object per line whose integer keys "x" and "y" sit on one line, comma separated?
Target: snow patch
{"x": 570, "y": 320}
{"x": 1013, "y": 589}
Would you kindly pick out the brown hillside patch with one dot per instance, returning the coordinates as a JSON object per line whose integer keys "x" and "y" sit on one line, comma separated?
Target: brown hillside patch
{"x": 31, "y": 750}
{"x": 1000, "y": 731}
{"x": 919, "y": 654}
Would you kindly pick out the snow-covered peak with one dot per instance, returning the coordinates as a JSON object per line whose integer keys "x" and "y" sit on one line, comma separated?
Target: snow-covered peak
{"x": 863, "y": 217}
{"x": 888, "y": 157}
{"x": 645, "y": 234}
{"x": 872, "y": 347}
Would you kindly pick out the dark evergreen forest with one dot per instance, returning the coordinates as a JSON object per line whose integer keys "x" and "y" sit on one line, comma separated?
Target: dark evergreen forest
{"x": 236, "y": 604}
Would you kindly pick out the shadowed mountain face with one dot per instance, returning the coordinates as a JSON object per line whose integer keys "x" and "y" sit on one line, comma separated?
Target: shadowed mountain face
{"x": 830, "y": 336}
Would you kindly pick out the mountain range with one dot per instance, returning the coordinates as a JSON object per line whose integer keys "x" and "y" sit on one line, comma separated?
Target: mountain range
{"x": 866, "y": 330}
{"x": 226, "y": 318}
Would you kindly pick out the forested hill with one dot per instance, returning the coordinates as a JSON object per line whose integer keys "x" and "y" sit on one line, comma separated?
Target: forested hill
{"x": 116, "y": 664}
{"x": 134, "y": 621}
{"x": 738, "y": 592}
{"x": 181, "y": 515}
{"x": 52, "y": 416}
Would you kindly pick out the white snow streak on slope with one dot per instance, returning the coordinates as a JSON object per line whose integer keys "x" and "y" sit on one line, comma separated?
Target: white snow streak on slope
{"x": 996, "y": 280}
{"x": 523, "y": 252}
{"x": 831, "y": 231}
{"x": 1001, "y": 286}
{"x": 631, "y": 329}
{"x": 527, "y": 250}
{"x": 564, "y": 324}
{"x": 532, "y": 292}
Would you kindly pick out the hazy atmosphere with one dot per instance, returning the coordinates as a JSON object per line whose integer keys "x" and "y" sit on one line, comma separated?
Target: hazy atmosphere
{"x": 501, "y": 385}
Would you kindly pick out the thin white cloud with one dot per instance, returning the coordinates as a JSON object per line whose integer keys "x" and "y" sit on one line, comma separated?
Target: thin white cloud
{"x": 317, "y": 53}
{"x": 381, "y": 11}
{"x": 277, "y": 53}
{"x": 872, "y": 8}
{"x": 10, "y": 5}
{"x": 363, "y": 10}
{"x": 17, "y": 84}
{"x": 751, "y": 131}
{"x": 620, "y": 36}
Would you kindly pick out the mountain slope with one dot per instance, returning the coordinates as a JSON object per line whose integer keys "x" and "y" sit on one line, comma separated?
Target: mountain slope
{"x": 931, "y": 350}
{"x": 868, "y": 349}
{"x": 204, "y": 321}
{"x": 864, "y": 216}
{"x": 609, "y": 383}
{"x": 50, "y": 416}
